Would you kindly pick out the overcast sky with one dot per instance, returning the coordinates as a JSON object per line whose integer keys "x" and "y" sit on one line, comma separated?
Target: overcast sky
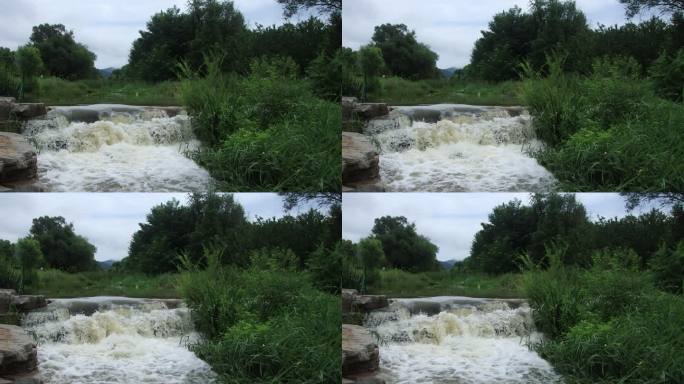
{"x": 107, "y": 27}
{"x": 450, "y": 27}
{"x": 108, "y": 220}
{"x": 451, "y": 220}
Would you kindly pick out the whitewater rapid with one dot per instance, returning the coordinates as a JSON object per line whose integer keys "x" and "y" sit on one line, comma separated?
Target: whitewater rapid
{"x": 133, "y": 342}
{"x": 459, "y": 148}
{"x": 109, "y": 148}
{"x": 465, "y": 341}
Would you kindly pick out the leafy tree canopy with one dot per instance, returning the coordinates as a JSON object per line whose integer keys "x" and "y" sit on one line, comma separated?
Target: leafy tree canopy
{"x": 62, "y": 55}
{"x": 404, "y": 248}
{"x": 292, "y": 7}
{"x": 403, "y": 54}
{"x": 62, "y": 248}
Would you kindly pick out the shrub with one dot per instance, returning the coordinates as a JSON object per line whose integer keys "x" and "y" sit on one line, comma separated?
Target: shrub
{"x": 668, "y": 268}
{"x": 667, "y": 73}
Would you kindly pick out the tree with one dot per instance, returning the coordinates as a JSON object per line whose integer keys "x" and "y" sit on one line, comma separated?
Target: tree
{"x": 634, "y": 7}
{"x": 62, "y": 55}
{"x": 404, "y": 248}
{"x": 29, "y": 62}
{"x": 62, "y": 248}
{"x": 372, "y": 257}
{"x": 30, "y": 256}
{"x": 6, "y": 56}
{"x": 403, "y": 54}
{"x": 372, "y": 64}
{"x": 292, "y": 7}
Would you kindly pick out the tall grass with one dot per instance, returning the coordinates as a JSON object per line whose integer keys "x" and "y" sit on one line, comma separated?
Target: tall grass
{"x": 607, "y": 324}
{"x": 398, "y": 91}
{"x": 264, "y": 132}
{"x": 263, "y": 326}
{"x": 606, "y": 132}
{"x": 398, "y": 283}
{"x": 56, "y": 91}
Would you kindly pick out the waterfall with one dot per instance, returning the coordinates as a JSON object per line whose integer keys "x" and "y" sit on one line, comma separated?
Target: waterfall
{"x": 459, "y": 148}
{"x": 465, "y": 342}
{"x": 116, "y": 148}
{"x": 136, "y": 342}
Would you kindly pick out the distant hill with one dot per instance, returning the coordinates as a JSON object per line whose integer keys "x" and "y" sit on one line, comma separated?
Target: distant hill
{"x": 107, "y": 264}
{"x": 107, "y": 72}
{"x": 448, "y": 72}
{"x": 448, "y": 264}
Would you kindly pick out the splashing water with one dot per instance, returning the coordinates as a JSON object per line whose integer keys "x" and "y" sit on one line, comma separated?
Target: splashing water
{"x": 124, "y": 344}
{"x": 116, "y": 148}
{"x": 463, "y": 343}
{"x": 458, "y": 148}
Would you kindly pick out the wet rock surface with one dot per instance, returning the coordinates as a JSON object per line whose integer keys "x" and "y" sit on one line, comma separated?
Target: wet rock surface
{"x": 18, "y": 159}
{"x": 18, "y": 356}
{"x": 360, "y": 162}
{"x": 360, "y": 353}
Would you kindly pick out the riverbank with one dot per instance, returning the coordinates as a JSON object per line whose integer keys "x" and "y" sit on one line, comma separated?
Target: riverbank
{"x": 400, "y": 284}
{"x": 58, "y": 284}
{"x": 56, "y": 91}
{"x": 398, "y": 91}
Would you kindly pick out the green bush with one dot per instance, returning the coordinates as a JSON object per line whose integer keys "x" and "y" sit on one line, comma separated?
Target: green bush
{"x": 668, "y": 268}
{"x": 9, "y": 80}
{"x": 263, "y": 326}
{"x": 667, "y": 73}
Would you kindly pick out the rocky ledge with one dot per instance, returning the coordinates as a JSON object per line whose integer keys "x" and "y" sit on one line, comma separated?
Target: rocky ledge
{"x": 360, "y": 164}
{"x": 360, "y": 356}
{"x": 18, "y": 357}
{"x": 18, "y": 163}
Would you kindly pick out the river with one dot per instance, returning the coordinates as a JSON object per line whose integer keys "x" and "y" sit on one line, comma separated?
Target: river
{"x": 459, "y": 148}
{"x": 449, "y": 340}
{"x": 110, "y": 148}
{"x": 112, "y": 340}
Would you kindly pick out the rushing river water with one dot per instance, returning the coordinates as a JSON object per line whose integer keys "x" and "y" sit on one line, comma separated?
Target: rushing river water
{"x": 116, "y": 340}
{"x": 102, "y": 148}
{"x": 458, "y": 340}
{"x": 458, "y": 148}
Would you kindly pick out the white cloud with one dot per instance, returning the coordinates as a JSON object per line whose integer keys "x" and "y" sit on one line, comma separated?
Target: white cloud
{"x": 449, "y": 27}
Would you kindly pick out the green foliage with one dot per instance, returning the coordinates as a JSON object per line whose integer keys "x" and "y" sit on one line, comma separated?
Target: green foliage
{"x": 403, "y": 55}
{"x": 62, "y": 248}
{"x": 10, "y": 275}
{"x": 325, "y": 268}
{"x": 607, "y": 131}
{"x": 30, "y": 257}
{"x": 668, "y": 268}
{"x": 263, "y": 326}
{"x": 668, "y": 75}
{"x": 607, "y": 323}
{"x": 265, "y": 132}
{"x": 172, "y": 228}
{"x": 62, "y": 55}
{"x": 372, "y": 64}
{"x": 56, "y": 91}
{"x": 634, "y": 7}
{"x": 9, "y": 79}
{"x": 404, "y": 248}
{"x": 515, "y": 37}
{"x": 514, "y": 229}
{"x": 292, "y": 7}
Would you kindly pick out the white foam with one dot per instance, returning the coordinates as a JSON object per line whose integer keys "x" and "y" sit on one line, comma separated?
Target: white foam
{"x": 463, "y": 152}
{"x": 122, "y": 345}
{"x": 465, "y": 344}
{"x": 125, "y": 152}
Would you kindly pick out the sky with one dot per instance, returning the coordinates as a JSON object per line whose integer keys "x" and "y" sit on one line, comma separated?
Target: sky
{"x": 451, "y": 27}
{"x": 107, "y": 27}
{"x": 108, "y": 220}
{"x": 450, "y": 221}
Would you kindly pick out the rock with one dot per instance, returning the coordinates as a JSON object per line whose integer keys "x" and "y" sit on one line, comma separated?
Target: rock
{"x": 367, "y": 111}
{"x": 25, "y": 303}
{"x": 360, "y": 159}
{"x": 6, "y": 105}
{"x": 6, "y": 299}
{"x": 360, "y": 353}
{"x": 29, "y": 110}
{"x": 348, "y": 296}
{"x": 394, "y": 120}
{"x": 18, "y": 159}
{"x": 368, "y": 303}
{"x": 348, "y": 106}
{"x": 18, "y": 353}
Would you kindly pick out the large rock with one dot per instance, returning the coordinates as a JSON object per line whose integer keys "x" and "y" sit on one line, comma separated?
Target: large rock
{"x": 18, "y": 353}
{"x": 367, "y": 303}
{"x": 18, "y": 159}
{"x": 25, "y": 303}
{"x": 29, "y": 110}
{"x": 360, "y": 159}
{"x": 348, "y": 106}
{"x": 367, "y": 111}
{"x": 348, "y": 296}
{"x": 360, "y": 353}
